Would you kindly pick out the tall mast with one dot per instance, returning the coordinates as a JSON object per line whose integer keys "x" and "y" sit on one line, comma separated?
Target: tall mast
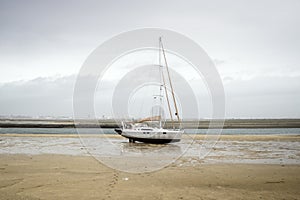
{"x": 160, "y": 89}
{"x": 173, "y": 95}
{"x": 164, "y": 84}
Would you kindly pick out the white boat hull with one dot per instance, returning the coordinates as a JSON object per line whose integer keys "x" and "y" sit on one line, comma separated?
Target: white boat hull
{"x": 156, "y": 136}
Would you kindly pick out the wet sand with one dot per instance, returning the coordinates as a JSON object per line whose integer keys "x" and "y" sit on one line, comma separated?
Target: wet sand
{"x": 82, "y": 177}
{"x": 238, "y": 149}
{"x": 294, "y": 138}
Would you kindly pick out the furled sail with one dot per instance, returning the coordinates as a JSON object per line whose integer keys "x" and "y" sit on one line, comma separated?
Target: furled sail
{"x": 154, "y": 118}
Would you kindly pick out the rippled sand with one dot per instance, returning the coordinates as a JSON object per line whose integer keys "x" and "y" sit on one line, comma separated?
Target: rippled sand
{"x": 82, "y": 177}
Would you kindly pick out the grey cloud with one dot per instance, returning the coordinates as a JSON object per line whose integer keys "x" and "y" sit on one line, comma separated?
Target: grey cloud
{"x": 263, "y": 97}
{"x": 258, "y": 97}
{"x": 264, "y": 86}
{"x": 41, "y": 96}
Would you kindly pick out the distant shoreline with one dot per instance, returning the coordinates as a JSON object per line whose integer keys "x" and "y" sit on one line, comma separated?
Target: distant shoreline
{"x": 202, "y": 124}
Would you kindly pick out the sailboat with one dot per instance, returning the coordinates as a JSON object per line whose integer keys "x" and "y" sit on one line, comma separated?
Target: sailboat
{"x": 141, "y": 131}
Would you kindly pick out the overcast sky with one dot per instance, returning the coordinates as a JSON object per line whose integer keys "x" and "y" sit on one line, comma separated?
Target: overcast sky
{"x": 254, "y": 44}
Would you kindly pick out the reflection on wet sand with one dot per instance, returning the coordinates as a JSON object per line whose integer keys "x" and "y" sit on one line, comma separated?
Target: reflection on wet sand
{"x": 141, "y": 157}
{"x": 162, "y": 149}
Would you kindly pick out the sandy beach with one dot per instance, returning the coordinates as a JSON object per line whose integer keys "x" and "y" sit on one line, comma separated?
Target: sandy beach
{"x": 79, "y": 177}
{"x": 238, "y": 167}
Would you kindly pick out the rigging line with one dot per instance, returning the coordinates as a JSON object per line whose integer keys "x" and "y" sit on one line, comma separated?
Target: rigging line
{"x": 166, "y": 91}
{"x": 176, "y": 109}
